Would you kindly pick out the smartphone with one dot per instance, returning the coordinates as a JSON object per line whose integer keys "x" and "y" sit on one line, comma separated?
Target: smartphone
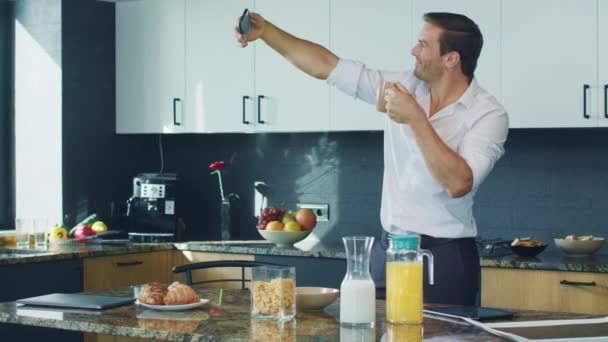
{"x": 245, "y": 23}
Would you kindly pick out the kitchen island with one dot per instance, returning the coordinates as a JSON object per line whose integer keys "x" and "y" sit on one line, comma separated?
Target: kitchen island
{"x": 231, "y": 321}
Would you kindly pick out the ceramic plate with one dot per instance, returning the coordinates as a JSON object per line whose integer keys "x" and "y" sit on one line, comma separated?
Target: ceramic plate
{"x": 173, "y": 307}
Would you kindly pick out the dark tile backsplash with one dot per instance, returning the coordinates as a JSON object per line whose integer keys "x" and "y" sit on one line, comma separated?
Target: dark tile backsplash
{"x": 549, "y": 183}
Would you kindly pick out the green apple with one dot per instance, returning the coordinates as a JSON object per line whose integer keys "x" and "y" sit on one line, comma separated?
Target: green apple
{"x": 288, "y": 217}
{"x": 292, "y": 226}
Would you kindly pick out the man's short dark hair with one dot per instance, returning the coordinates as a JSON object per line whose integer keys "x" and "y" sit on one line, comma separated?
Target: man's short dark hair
{"x": 461, "y": 35}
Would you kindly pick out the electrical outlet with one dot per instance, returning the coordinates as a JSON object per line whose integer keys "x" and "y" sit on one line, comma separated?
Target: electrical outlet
{"x": 321, "y": 210}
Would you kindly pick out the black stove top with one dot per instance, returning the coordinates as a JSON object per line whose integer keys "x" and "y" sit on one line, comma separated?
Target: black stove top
{"x": 494, "y": 247}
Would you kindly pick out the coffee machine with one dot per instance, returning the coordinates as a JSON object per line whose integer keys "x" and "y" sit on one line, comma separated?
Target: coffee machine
{"x": 151, "y": 211}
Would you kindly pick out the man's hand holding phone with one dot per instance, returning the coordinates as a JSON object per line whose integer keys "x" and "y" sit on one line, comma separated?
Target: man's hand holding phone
{"x": 250, "y": 27}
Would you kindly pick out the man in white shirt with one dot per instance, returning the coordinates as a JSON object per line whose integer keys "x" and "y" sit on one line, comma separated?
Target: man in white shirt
{"x": 443, "y": 135}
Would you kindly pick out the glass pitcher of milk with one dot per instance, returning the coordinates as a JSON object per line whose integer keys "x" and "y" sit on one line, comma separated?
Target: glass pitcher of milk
{"x": 404, "y": 280}
{"x": 358, "y": 292}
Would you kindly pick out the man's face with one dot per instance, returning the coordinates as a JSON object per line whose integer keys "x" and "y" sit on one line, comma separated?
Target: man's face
{"x": 429, "y": 63}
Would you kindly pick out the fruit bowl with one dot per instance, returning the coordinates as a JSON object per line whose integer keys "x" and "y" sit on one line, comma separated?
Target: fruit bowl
{"x": 283, "y": 239}
{"x": 315, "y": 298}
{"x": 579, "y": 248}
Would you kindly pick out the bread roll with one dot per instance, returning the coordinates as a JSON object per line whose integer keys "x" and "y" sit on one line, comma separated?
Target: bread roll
{"x": 181, "y": 294}
{"x": 153, "y": 293}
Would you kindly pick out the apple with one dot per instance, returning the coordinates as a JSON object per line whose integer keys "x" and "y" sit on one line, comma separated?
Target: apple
{"x": 288, "y": 217}
{"x": 292, "y": 226}
{"x": 306, "y": 218}
{"x": 83, "y": 231}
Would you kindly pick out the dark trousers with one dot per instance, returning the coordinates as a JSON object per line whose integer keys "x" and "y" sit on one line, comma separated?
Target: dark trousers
{"x": 457, "y": 270}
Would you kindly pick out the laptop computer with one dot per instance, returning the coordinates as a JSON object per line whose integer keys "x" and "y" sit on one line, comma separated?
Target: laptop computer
{"x": 75, "y": 300}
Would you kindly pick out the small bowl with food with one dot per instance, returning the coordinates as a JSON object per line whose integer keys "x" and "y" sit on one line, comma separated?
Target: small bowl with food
{"x": 527, "y": 247}
{"x": 579, "y": 246}
{"x": 286, "y": 228}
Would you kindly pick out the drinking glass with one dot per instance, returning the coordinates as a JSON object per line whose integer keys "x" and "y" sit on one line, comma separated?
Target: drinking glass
{"x": 23, "y": 228}
{"x": 40, "y": 232}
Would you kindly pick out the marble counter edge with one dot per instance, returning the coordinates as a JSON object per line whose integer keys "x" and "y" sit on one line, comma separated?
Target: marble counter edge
{"x": 563, "y": 264}
{"x": 106, "y": 329}
{"x": 333, "y": 253}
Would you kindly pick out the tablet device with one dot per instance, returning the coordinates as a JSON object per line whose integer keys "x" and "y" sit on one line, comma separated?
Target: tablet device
{"x": 475, "y": 312}
{"x": 75, "y": 300}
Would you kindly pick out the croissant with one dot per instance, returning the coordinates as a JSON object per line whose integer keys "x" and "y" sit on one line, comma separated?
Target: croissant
{"x": 181, "y": 294}
{"x": 153, "y": 293}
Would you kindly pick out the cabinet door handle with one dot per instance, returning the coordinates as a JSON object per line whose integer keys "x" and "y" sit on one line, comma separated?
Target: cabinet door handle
{"x": 260, "y": 97}
{"x": 245, "y": 98}
{"x": 606, "y": 101}
{"x": 129, "y": 263}
{"x": 578, "y": 283}
{"x": 585, "y": 115}
{"x": 175, "y": 101}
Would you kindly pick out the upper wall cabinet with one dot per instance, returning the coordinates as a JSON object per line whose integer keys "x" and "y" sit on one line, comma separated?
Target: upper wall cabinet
{"x": 219, "y": 73}
{"x": 549, "y": 63}
{"x": 150, "y": 67}
{"x": 486, "y": 14}
{"x": 377, "y": 33}
{"x": 603, "y": 63}
{"x": 287, "y": 99}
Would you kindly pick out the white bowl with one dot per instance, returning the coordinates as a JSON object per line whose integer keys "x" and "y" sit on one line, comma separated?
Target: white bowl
{"x": 283, "y": 238}
{"x": 578, "y": 248}
{"x": 315, "y": 298}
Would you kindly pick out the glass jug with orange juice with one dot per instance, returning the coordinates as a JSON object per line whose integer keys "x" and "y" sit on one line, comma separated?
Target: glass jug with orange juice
{"x": 404, "y": 280}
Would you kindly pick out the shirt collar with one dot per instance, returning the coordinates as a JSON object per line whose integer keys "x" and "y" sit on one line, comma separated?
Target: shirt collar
{"x": 469, "y": 95}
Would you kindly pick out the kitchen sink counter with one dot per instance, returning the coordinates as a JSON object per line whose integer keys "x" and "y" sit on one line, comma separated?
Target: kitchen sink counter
{"x": 232, "y": 322}
{"x": 261, "y": 247}
{"x": 76, "y": 250}
{"x": 545, "y": 261}
{"x": 550, "y": 262}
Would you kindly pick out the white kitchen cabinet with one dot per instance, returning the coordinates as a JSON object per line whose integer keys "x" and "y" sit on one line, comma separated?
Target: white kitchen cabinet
{"x": 603, "y": 63}
{"x": 150, "y": 66}
{"x": 486, "y": 14}
{"x": 219, "y": 73}
{"x": 377, "y": 33}
{"x": 549, "y": 63}
{"x": 288, "y": 100}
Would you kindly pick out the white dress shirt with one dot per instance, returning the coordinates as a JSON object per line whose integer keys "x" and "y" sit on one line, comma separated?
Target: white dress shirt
{"x": 475, "y": 126}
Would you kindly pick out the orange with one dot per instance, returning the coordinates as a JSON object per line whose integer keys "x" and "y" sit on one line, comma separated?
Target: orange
{"x": 274, "y": 225}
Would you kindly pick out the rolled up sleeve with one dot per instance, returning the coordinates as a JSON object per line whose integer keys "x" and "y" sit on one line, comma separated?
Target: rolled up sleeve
{"x": 358, "y": 81}
{"x": 483, "y": 144}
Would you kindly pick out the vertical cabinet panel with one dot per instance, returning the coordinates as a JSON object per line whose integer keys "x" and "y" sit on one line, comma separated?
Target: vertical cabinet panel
{"x": 365, "y": 31}
{"x": 150, "y": 66}
{"x": 292, "y": 101}
{"x": 486, "y": 14}
{"x": 602, "y": 15}
{"x": 219, "y": 73}
{"x": 549, "y": 54}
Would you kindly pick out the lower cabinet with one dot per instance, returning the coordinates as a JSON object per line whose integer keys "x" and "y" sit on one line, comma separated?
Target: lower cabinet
{"x": 108, "y": 272}
{"x": 557, "y": 291}
{"x": 36, "y": 279}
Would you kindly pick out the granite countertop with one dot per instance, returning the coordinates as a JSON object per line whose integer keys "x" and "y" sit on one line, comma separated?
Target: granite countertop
{"x": 545, "y": 261}
{"x": 551, "y": 262}
{"x": 232, "y": 322}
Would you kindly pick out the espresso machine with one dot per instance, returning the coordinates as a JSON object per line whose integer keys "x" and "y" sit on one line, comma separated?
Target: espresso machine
{"x": 151, "y": 211}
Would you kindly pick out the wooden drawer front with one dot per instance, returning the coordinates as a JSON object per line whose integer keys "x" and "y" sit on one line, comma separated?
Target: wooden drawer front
{"x": 124, "y": 270}
{"x": 545, "y": 290}
{"x": 186, "y": 257}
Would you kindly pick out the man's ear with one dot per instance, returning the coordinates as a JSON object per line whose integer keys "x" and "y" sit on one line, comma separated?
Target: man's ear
{"x": 452, "y": 59}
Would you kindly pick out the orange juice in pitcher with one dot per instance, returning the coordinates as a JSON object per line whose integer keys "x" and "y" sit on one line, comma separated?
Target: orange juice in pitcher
{"x": 404, "y": 280}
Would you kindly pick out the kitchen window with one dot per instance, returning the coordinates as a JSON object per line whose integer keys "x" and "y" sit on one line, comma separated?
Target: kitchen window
{"x": 7, "y": 192}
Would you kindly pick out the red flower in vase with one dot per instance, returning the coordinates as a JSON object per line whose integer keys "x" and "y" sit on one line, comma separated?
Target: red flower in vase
{"x": 217, "y": 166}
